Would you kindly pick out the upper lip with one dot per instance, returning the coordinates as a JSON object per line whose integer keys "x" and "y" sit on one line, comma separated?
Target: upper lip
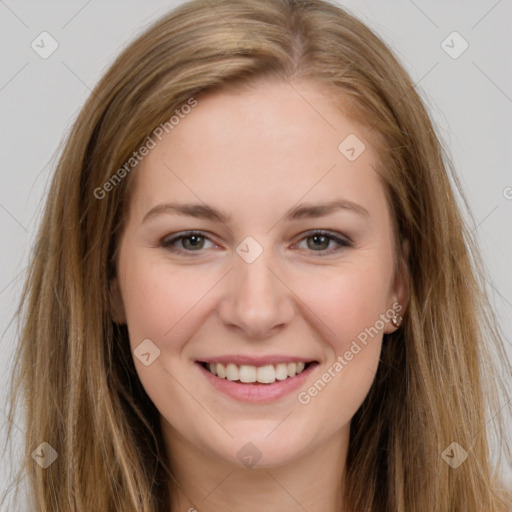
{"x": 256, "y": 361}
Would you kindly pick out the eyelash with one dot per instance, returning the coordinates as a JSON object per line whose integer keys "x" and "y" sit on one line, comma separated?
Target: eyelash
{"x": 167, "y": 243}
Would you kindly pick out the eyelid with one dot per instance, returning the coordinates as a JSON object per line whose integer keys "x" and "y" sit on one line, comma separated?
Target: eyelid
{"x": 339, "y": 237}
{"x": 167, "y": 241}
{"x": 342, "y": 240}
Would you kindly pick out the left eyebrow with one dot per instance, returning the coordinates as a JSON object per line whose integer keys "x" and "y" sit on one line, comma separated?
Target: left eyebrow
{"x": 308, "y": 210}
{"x": 319, "y": 210}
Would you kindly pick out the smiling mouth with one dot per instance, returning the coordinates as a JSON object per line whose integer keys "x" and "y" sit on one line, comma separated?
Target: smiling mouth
{"x": 266, "y": 374}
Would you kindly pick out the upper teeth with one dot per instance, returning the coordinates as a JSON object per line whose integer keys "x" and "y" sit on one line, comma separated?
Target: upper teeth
{"x": 263, "y": 374}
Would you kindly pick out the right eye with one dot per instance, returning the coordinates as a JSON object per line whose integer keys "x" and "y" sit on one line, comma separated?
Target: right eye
{"x": 190, "y": 241}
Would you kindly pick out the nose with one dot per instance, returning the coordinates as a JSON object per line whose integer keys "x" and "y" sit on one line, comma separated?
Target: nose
{"x": 257, "y": 300}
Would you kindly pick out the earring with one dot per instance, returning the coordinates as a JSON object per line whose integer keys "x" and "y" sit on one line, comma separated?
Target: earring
{"x": 396, "y": 320}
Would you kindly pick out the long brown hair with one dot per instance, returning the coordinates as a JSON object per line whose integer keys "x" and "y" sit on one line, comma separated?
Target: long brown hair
{"x": 74, "y": 372}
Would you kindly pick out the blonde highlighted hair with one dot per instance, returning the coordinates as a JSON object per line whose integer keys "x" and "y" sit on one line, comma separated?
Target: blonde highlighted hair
{"x": 74, "y": 373}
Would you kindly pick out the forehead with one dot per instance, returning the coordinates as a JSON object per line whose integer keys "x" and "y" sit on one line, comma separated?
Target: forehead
{"x": 276, "y": 142}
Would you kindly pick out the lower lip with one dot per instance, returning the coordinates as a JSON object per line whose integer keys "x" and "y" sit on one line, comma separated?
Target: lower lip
{"x": 256, "y": 392}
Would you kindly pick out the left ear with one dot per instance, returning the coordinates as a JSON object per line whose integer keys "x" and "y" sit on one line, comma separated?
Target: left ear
{"x": 400, "y": 295}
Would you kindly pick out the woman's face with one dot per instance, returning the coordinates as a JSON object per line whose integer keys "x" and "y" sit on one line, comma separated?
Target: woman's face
{"x": 255, "y": 175}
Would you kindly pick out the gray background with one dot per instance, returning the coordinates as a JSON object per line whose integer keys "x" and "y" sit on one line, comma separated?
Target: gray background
{"x": 470, "y": 98}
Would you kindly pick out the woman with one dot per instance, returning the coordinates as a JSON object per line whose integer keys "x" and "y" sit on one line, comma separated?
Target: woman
{"x": 253, "y": 287}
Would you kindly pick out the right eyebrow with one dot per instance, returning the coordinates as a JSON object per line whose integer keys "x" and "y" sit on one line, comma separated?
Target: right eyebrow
{"x": 199, "y": 211}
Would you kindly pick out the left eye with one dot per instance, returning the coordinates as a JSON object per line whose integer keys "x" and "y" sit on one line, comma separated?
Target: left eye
{"x": 320, "y": 240}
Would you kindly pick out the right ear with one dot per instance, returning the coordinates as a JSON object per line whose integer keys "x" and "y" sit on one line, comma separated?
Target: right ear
{"x": 116, "y": 303}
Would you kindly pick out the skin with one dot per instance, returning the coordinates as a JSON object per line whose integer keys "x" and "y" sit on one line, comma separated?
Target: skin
{"x": 255, "y": 154}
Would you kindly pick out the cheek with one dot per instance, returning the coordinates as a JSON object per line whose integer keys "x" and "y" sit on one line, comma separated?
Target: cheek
{"x": 157, "y": 300}
{"x": 351, "y": 306}
{"x": 349, "y": 301}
